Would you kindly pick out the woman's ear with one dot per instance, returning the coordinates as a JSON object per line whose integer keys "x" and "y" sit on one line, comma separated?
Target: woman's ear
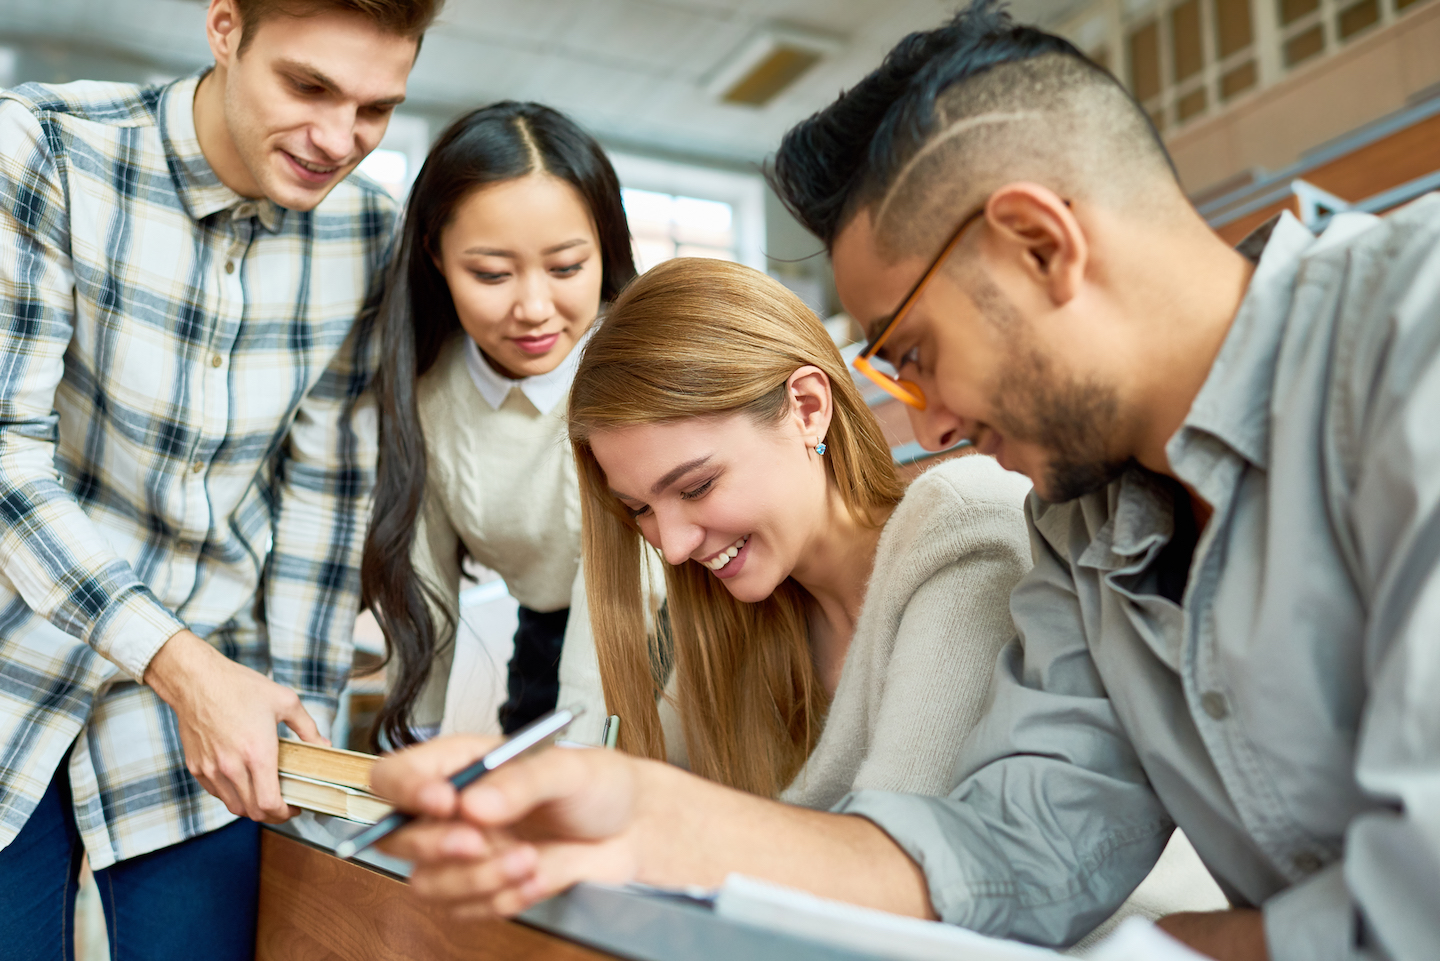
{"x": 811, "y": 403}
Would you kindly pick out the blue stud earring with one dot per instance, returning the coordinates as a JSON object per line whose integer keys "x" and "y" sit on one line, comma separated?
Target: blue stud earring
{"x": 820, "y": 448}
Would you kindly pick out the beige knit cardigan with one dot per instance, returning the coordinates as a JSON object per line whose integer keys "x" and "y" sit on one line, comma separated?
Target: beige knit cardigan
{"x": 936, "y": 613}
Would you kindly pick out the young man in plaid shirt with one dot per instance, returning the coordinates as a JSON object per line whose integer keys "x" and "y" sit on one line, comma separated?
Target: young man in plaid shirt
{"x": 184, "y": 459}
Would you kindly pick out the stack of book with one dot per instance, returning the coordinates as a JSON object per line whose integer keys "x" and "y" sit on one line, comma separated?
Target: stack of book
{"x": 329, "y": 780}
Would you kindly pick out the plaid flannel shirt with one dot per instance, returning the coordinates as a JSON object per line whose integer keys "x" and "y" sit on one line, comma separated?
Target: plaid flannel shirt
{"x": 183, "y": 443}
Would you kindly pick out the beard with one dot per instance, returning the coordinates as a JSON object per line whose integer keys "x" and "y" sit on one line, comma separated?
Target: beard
{"x": 1038, "y": 403}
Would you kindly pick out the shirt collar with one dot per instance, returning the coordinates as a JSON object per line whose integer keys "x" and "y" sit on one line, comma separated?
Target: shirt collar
{"x": 196, "y": 182}
{"x": 1234, "y": 403}
{"x": 545, "y": 391}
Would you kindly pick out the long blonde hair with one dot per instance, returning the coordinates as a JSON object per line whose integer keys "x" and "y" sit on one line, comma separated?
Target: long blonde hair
{"x": 700, "y": 338}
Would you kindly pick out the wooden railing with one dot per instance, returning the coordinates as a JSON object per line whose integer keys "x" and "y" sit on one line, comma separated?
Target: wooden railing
{"x": 1376, "y": 168}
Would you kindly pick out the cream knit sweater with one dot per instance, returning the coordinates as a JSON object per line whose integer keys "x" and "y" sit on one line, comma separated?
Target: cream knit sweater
{"x": 501, "y": 485}
{"x": 936, "y": 613}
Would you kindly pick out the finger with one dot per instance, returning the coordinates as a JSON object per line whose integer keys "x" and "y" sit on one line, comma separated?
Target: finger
{"x": 301, "y": 722}
{"x": 234, "y": 770}
{"x": 511, "y": 792}
{"x": 560, "y": 866}
{"x": 415, "y": 779}
{"x": 224, "y": 795}
{"x": 473, "y": 881}
{"x": 429, "y": 841}
{"x": 224, "y": 787}
{"x": 264, "y": 773}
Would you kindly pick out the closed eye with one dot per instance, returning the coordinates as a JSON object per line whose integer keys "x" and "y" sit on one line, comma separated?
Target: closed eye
{"x": 569, "y": 271}
{"x": 488, "y": 278}
{"x": 636, "y": 512}
{"x": 700, "y": 491}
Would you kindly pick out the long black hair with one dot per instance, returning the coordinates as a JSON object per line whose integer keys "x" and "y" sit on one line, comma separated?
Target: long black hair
{"x": 501, "y": 142}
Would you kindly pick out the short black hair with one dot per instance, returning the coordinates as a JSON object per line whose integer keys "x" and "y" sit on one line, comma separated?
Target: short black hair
{"x": 832, "y": 163}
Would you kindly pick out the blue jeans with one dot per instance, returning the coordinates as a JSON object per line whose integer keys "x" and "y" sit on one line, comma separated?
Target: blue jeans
{"x": 193, "y": 900}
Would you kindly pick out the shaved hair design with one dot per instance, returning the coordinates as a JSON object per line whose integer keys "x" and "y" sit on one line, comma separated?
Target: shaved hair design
{"x": 956, "y": 112}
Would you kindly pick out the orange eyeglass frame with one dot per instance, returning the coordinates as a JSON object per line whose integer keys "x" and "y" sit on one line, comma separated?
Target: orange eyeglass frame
{"x": 904, "y": 390}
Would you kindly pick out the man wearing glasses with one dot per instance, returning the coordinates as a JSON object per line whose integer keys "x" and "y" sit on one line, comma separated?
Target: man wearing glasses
{"x": 1231, "y": 623}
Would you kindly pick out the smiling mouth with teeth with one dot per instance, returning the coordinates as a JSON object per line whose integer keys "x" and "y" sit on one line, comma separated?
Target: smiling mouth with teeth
{"x": 314, "y": 168}
{"x": 719, "y": 561}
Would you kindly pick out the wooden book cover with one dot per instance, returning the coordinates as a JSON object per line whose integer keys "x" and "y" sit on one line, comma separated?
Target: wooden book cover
{"x": 326, "y": 798}
{"x": 350, "y": 768}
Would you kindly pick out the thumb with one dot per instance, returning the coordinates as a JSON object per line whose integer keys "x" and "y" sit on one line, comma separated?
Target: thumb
{"x": 417, "y": 778}
{"x": 511, "y": 792}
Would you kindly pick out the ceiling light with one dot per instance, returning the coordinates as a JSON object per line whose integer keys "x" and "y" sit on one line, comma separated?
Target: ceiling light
{"x": 769, "y": 62}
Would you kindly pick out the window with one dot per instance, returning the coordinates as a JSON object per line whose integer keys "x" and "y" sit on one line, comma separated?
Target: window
{"x": 1355, "y": 18}
{"x": 685, "y": 210}
{"x": 388, "y": 168}
{"x": 1196, "y": 53}
{"x": 1186, "y": 41}
{"x": 663, "y": 226}
{"x": 1304, "y": 45}
{"x": 395, "y": 163}
{"x": 1292, "y": 10}
{"x": 1233, "y": 28}
{"x": 1183, "y": 59}
{"x": 1145, "y": 61}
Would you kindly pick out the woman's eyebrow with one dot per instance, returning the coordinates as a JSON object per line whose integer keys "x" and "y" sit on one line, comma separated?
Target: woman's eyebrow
{"x": 565, "y": 246}
{"x": 501, "y": 252}
{"x": 679, "y": 472}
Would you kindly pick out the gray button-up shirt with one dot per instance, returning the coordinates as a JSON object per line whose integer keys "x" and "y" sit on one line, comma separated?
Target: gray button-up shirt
{"x": 1287, "y": 714}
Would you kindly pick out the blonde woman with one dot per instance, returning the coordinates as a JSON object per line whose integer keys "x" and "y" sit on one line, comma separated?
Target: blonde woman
{"x": 829, "y": 629}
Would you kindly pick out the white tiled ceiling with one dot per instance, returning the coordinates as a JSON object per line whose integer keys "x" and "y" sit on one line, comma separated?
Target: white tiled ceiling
{"x": 633, "y": 71}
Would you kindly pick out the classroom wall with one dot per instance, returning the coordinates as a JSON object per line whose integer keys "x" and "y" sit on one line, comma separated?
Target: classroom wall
{"x": 1273, "y": 128}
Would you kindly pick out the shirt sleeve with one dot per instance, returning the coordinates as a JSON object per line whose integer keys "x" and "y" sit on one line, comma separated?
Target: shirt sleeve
{"x": 1384, "y": 896}
{"x": 323, "y": 482}
{"x": 1052, "y": 823}
{"x": 55, "y": 558}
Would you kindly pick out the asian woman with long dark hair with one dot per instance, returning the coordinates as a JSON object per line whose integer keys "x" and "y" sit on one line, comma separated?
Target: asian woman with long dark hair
{"x": 514, "y": 240}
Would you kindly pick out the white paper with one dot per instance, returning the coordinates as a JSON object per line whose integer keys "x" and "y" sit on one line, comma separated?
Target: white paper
{"x": 803, "y": 915}
{"x": 1137, "y": 939}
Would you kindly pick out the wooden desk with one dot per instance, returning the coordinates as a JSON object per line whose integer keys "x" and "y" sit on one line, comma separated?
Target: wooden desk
{"x": 315, "y": 907}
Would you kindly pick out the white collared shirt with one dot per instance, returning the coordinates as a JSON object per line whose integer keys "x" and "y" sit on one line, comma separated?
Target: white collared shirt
{"x": 542, "y": 390}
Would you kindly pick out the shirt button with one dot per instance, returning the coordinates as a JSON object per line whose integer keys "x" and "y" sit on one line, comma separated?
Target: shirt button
{"x": 198, "y": 466}
{"x": 1214, "y": 704}
{"x": 229, "y": 266}
{"x": 216, "y": 361}
{"x": 1308, "y": 862}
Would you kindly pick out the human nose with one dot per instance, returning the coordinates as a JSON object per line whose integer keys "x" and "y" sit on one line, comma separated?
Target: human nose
{"x": 334, "y": 136}
{"x": 679, "y": 537}
{"x": 535, "y": 304}
{"x": 936, "y": 427}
